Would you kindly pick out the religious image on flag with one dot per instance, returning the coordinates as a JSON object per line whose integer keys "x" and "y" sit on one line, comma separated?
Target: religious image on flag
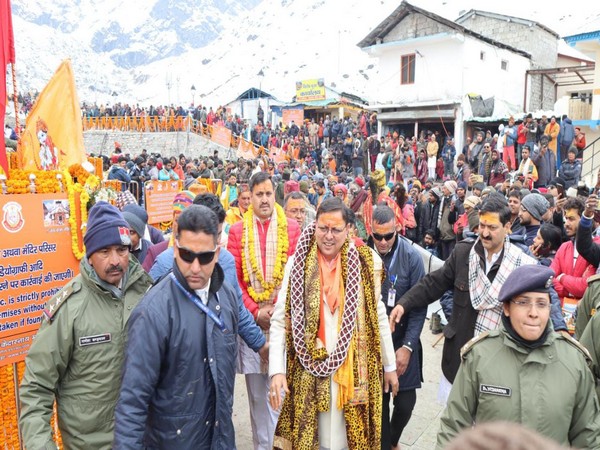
{"x": 53, "y": 135}
{"x": 7, "y": 56}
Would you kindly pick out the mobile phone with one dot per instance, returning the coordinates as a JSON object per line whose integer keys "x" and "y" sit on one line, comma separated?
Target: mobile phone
{"x": 561, "y": 191}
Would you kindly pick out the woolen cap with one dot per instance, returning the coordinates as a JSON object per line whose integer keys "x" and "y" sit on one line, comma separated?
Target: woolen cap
{"x": 105, "y": 227}
{"x": 451, "y": 186}
{"x": 536, "y": 205}
{"x": 182, "y": 200}
{"x": 138, "y": 211}
{"x": 135, "y": 223}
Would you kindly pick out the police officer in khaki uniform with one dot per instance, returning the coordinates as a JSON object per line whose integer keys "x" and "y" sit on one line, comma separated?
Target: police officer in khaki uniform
{"x": 77, "y": 355}
{"x": 525, "y": 372}
{"x": 588, "y": 305}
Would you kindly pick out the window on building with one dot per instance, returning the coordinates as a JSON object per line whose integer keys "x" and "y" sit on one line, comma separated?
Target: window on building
{"x": 482, "y": 56}
{"x": 504, "y": 64}
{"x": 407, "y": 69}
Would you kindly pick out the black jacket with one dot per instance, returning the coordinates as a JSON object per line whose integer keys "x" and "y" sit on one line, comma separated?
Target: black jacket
{"x": 454, "y": 275}
{"x": 428, "y": 219}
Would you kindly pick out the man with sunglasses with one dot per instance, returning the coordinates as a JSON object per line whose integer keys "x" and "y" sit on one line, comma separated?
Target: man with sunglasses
{"x": 178, "y": 378}
{"x": 261, "y": 244}
{"x": 77, "y": 356}
{"x": 403, "y": 268}
{"x": 248, "y": 330}
{"x": 525, "y": 372}
{"x": 340, "y": 343}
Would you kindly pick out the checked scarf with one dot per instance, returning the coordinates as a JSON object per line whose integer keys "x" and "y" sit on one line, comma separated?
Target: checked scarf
{"x": 484, "y": 294}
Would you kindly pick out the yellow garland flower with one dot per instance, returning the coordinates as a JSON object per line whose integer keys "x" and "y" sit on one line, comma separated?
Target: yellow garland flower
{"x": 45, "y": 181}
{"x": 72, "y": 188}
{"x": 280, "y": 261}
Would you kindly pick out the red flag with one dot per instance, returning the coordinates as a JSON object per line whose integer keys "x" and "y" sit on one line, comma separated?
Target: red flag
{"x": 7, "y": 56}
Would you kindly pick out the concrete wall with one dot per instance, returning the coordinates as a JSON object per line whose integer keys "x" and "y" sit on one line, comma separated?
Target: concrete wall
{"x": 539, "y": 43}
{"x": 167, "y": 144}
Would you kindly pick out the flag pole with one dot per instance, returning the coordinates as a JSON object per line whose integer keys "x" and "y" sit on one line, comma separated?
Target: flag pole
{"x": 15, "y": 99}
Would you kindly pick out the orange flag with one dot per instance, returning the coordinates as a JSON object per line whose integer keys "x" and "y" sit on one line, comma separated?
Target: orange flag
{"x": 53, "y": 135}
{"x": 246, "y": 149}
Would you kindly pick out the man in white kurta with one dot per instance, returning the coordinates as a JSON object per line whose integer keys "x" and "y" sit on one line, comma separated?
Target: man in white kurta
{"x": 331, "y": 233}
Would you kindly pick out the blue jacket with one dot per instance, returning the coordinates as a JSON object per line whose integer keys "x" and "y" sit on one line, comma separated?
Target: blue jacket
{"x": 570, "y": 172}
{"x": 179, "y": 373}
{"x": 511, "y": 135}
{"x": 567, "y": 132}
{"x": 248, "y": 330}
{"x": 404, "y": 265}
{"x": 118, "y": 173}
{"x": 448, "y": 153}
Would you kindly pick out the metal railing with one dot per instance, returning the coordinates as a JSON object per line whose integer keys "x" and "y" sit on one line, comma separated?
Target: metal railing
{"x": 156, "y": 124}
{"x": 590, "y": 165}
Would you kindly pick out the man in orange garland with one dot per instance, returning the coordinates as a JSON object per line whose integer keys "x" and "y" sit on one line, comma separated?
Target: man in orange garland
{"x": 261, "y": 244}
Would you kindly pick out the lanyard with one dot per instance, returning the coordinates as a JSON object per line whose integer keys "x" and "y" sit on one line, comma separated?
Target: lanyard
{"x": 194, "y": 299}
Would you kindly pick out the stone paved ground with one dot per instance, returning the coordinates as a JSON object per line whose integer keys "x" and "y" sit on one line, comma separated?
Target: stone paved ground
{"x": 420, "y": 432}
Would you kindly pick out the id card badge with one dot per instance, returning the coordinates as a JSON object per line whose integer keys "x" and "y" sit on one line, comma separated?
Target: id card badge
{"x": 391, "y": 301}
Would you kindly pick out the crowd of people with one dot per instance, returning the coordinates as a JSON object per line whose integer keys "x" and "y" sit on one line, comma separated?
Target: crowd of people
{"x": 305, "y": 276}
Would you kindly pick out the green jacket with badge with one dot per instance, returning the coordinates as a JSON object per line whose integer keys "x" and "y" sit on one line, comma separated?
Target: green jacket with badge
{"x": 76, "y": 358}
{"x": 588, "y": 304}
{"x": 549, "y": 389}
{"x": 590, "y": 339}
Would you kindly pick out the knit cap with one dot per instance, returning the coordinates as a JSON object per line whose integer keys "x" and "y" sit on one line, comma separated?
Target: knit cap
{"x": 134, "y": 222}
{"x": 105, "y": 227}
{"x": 451, "y": 186}
{"x": 536, "y": 205}
{"x": 182, "y": 200}
{"x": 138, "y": 211}
{"x": 472, "y": 201}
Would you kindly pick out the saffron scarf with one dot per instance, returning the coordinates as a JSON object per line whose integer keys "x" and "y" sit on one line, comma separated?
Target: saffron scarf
{"x": 355, "y": 363}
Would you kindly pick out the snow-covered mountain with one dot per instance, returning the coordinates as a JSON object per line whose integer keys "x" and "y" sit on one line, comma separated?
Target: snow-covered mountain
{"x": 153, "y": 51}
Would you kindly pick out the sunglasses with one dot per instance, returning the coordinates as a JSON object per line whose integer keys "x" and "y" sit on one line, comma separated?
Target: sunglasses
{"x": 380, "y": 237}
{"x": 189, "y": 256}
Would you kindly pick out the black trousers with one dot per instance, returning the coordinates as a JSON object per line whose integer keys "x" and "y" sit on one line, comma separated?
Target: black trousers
{"x": 446, "y": 248}
{"x": 391, "y": 429}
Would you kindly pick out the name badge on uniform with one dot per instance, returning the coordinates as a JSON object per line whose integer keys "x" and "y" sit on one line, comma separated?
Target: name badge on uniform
{"x": 391, "y": 301}
{"x": 93, "y": 340}
{"x": 495, "y": 390}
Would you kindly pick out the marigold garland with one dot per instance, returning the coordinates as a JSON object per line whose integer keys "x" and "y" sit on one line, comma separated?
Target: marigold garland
{"x": 45, "y": 181}
{"x": 115, "y": 185}
{"x": 97, "y": 163}
{"x": 280, "y": 261}
{"x": 84, "y": 197}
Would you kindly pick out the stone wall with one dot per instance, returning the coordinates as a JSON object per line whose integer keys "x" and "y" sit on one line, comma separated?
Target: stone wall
{"x": 415, "y": 26}
{"x": 167, "y": 144}
{"x": 539, "y": 43}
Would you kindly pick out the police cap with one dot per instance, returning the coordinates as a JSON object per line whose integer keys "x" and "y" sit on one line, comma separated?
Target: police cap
{"x": 527, "y": 278}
